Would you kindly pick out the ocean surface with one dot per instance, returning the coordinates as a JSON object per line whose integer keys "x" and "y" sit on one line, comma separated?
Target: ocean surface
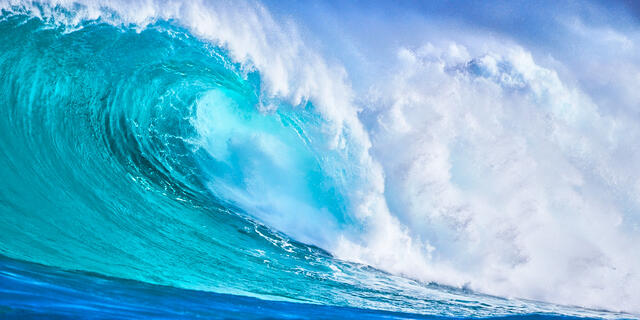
{"x": 154, "y": 168}
{"x": 31, "y": 291}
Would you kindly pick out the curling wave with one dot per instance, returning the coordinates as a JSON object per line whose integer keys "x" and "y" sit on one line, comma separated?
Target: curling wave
{"x": 162, "y": 145}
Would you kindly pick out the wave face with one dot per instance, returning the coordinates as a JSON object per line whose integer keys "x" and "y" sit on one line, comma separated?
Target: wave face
{"x": 106, "y": 123}
{"x": 204, "y": 147}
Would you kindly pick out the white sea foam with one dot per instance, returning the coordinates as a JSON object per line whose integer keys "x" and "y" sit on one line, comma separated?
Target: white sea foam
{"x": 510, "y": 175}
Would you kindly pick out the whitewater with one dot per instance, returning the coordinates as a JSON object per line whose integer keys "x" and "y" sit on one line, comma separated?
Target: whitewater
{"x": 389, "y": 161}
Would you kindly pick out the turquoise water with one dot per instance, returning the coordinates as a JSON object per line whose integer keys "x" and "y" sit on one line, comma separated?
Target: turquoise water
{"x": 104, "y": 173}
{"x": 34, "y": 291}
{"x": 139, "y": 154}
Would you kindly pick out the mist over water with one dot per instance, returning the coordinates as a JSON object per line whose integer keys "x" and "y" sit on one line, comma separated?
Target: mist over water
{"x": 403, "y": 165}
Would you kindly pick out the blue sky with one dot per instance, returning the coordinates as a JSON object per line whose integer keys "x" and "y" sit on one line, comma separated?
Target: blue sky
{"x": 362, "y": 35}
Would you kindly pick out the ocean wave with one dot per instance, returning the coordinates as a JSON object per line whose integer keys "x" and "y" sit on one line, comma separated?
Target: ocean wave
{"x": 211, "y": 147}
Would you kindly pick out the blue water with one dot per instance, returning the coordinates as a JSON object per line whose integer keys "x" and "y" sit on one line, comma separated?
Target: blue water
{"x": 30, "y": 290}
{"x": 34, "y": 291}
{"x": 134, "y": 157}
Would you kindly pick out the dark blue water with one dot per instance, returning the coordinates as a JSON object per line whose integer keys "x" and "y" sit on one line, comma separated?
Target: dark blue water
{"x": 29, "y": 290}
